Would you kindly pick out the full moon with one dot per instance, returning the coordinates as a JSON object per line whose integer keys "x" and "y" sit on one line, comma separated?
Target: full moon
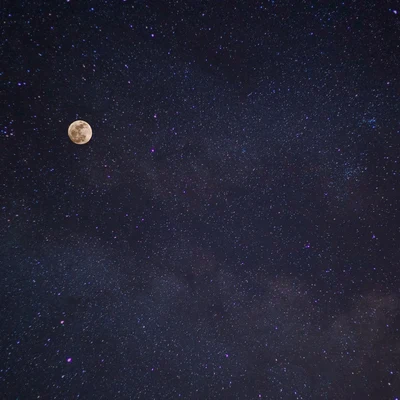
{"x": 80, "y": 132}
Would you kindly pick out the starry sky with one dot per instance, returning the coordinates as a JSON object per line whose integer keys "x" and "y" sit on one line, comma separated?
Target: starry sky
{"x": 231, "y": 231}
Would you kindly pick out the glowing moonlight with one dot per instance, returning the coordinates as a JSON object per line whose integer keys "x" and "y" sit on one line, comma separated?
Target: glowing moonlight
{"x": 80, "y": 132}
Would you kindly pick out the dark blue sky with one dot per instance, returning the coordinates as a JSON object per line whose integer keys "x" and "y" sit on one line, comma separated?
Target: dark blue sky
{"x": 231, "y": 230}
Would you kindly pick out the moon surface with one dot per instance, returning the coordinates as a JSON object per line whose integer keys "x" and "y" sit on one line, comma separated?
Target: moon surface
{"x": 80, "y": 132}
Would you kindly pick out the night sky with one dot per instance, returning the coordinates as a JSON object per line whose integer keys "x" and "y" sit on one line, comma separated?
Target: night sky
{"x": 231, "y": 230}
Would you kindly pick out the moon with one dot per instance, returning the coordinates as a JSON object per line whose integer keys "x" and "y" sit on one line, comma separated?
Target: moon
{"x": 80, "y": 132}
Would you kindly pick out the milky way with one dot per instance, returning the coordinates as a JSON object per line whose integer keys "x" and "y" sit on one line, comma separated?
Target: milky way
{"x": 230, "y": 231}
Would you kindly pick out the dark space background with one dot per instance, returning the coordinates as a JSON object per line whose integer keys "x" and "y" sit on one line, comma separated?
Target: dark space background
{"x": 231, "y": 231}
